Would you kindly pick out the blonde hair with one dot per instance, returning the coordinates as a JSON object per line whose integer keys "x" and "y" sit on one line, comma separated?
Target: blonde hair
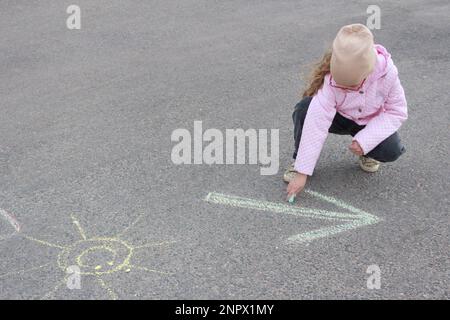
{"x": 315, "y": 80}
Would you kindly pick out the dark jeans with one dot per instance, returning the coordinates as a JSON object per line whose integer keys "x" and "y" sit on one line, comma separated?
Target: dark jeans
{"x": 388, "y": 150}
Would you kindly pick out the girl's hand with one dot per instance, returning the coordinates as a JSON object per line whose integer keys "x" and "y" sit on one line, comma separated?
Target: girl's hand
{"x": 296, "y": 185}
{"x": 356, "y": 148}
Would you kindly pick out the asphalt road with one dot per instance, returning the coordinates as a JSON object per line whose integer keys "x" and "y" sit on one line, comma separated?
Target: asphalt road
{"x": 85, "y": 153}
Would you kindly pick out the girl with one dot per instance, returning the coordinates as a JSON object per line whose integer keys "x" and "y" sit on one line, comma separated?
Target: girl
{"x": 354, "y": 90}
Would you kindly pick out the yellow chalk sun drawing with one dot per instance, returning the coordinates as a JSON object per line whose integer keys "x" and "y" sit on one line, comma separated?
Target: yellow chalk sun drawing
{"x": 95, "y": 256}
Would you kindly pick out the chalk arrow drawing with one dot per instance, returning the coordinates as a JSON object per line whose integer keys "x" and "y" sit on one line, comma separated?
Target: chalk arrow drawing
{"x": 11, "y": 220}
{"x": 354, "y": 218}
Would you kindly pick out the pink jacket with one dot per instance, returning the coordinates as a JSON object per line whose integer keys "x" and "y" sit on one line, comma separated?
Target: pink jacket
{"x": 380, "y": 104}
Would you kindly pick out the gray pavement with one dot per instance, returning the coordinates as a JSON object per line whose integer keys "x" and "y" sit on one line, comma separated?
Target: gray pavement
{"x": 85, "y": 166}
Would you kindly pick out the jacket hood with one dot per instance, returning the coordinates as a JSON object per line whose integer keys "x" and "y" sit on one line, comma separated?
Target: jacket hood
{"x": 384, "y": 62}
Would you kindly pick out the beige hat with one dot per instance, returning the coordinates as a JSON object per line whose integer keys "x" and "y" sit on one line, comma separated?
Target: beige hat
{"x": 353, "y": 55}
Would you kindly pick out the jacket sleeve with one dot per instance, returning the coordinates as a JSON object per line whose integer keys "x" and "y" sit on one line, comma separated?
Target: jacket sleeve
{"x": 388, "y": 121}
{"x": 319, "y": 117}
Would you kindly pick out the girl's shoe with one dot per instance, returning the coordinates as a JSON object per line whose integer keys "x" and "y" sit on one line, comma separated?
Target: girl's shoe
{"x": 289, "y": 174}
{"x": 369, "y": 164}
